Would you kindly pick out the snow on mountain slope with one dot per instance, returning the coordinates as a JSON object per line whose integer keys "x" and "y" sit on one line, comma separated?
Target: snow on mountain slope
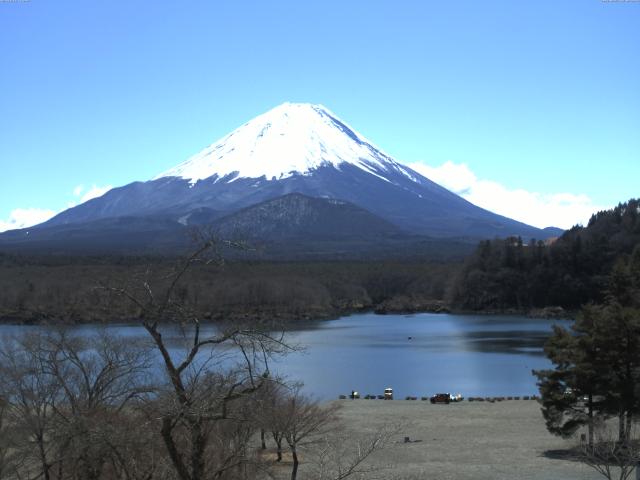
{"x": 294, "y": 148}
{"x": 293, "y": 138}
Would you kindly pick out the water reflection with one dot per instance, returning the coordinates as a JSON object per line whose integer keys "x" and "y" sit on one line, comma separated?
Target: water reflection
{"x": 421, "y": 354}
{"x": 415, "y": 354}
{"x": 512, "y": 341}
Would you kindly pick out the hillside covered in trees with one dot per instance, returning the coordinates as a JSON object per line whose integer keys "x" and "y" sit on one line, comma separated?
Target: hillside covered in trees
{"x": 512, "y": 273}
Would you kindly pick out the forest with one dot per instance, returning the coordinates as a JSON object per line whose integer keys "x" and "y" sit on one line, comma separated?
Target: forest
{"x": 569, "y": 272}
{"x": 501, "y": 275}
{"x": 60, "y": 291}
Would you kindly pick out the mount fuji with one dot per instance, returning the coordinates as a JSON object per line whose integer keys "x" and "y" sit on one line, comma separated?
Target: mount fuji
{"x": 293, "y": 152}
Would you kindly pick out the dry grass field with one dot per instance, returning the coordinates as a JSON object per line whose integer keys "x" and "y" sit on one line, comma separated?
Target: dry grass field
{"x": 465, "y": 441}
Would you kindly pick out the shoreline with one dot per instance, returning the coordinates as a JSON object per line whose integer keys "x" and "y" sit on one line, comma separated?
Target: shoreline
{"x": 287, "y": 319}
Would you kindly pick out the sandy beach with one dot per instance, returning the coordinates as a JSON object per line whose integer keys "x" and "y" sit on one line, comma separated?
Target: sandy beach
{"x": 464, "y": 441}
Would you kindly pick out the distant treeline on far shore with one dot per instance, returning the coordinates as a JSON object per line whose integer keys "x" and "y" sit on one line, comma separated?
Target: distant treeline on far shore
{"x": 513, "y": 274}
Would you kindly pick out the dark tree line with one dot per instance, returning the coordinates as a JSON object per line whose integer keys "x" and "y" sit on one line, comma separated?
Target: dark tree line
{"x": 570, "y": 272}
{"x": 53, "y": 292}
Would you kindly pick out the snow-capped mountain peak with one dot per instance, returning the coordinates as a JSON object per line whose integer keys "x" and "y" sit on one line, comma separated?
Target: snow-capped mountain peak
{"x": 298, "y": 149}
{"x": 290, "y": 139}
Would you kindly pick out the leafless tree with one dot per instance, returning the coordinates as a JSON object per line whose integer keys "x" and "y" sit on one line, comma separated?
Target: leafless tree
{"x": 303, "y": 421}
{"x": 270, "y": 416}
{"x": 203, "y": 387}
{"x": 66, "y": 396}
{"x": 98, "y": 378}
{"x": 339, "y": 456}
{"x": 8, "y": 458}
{"x": 31, "y": 398}
{"x": 611, "y": 457}
{"x": 307, "y": 426}
{"x": 133, "y": 448}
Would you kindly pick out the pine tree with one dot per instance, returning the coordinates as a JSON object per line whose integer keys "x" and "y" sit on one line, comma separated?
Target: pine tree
{"x": 597, "y": 364}
{"x": 570, "y": 391}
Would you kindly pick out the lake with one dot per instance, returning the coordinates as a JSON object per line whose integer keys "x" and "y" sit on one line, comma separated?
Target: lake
{"x": 419, "y": 354}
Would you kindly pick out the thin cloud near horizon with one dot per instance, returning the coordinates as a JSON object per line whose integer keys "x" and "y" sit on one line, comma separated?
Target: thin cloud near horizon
{"x": 28, "y": 217}
{"x": 563, "y": 210}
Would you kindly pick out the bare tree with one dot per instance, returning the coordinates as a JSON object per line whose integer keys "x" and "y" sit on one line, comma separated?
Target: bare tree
{"x": 9, "y": 461}
{"x": 308, "y": 426}
{"x": 98, "y": 378}
{"x": 31, "y": 398}
{"x": 303, "y": 421}
{"x": 66, "y": 396}
{"x": 133, "y": 448}
{"x": 339, "y": 456}
{"x": 270, "y": 416}
{"x": 611, "y": 457}
{"x": 202, "y": 389}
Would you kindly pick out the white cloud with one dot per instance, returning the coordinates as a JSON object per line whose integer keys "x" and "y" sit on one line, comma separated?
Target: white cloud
{"x": 94, "y": 192}
{"x": 25, "y": 217}
{"x": 538, "y": 209}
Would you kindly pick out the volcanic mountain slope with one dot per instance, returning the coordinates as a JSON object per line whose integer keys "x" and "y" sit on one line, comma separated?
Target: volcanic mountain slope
{"x": 123, "y": 235}
{"x": 291, "y": 227}
{"x": 294, "y": 148}
{"x": 294, "y": 227}
{"x": 296, "y": 216}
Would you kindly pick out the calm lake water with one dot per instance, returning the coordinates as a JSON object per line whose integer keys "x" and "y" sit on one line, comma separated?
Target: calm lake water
{"x": 421, "y": 354}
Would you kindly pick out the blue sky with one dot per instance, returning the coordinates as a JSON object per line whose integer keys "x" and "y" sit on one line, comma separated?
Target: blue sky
{"x": 528, "y": 107}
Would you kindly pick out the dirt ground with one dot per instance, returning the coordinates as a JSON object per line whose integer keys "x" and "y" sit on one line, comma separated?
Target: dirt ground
{"x": 464, "y": 441}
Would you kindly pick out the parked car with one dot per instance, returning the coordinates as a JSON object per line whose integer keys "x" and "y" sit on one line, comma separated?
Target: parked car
{"x": 440, "y": 398}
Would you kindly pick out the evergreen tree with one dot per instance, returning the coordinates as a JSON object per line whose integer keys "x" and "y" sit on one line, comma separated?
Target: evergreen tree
{"x": 597, "y": 364}
{"x": 570, "y": 391}
{"x": 571, "y": 272}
